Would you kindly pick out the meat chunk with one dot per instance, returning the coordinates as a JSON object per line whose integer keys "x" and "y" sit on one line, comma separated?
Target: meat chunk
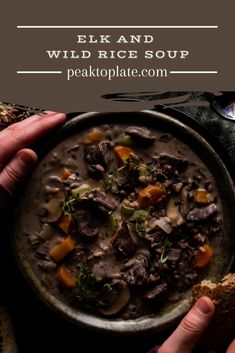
{"x": 176, "y": 163}
{"x": 137, "y": 273}
{"x": 123, "y": 181}
{"x": 177, "y": 187}
{"x": 202, "y": 213}
{"x": 141, "y": 134}
{"x": 123, "y": 242}
{"x": 96, "y": 157}
{"x": 157, "y": 292}
{"x": 103, "y": 202}
{"x": 174, "y": 254}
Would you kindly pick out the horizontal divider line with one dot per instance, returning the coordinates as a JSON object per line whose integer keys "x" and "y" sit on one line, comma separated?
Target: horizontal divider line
{"x": 193, "y": 72}
{"x": 39, "y": 72}
{"x": 83, "y": 27}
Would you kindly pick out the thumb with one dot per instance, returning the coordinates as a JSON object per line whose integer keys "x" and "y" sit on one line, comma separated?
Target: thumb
{"x": 231, "y": 348}
{"x": 17, "y": 169}
{"x": 185, "y": 337}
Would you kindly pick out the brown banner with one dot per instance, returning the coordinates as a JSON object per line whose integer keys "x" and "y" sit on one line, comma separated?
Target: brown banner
{"x": 70, "y": 56}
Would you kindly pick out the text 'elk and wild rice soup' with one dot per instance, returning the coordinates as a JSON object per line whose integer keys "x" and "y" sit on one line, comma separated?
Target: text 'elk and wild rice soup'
{"x": 120, "y": 220}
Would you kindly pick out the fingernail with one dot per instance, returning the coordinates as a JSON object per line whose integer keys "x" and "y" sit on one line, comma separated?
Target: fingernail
{"x": 204, "y": 306}
{"x": 60, "y": 116}
{"x": 49, "y": 112}
{"x": 28, "y": 158}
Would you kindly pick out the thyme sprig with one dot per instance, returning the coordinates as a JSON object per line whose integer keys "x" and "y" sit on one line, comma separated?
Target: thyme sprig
{"x": 88, "y": 290}
{"x": 107, "y": 287}
{"x": 165, "y": 248}
{"x": 87, "y": 286}
{"x": 70, "y": 205}
{"x": 132, "y": 164}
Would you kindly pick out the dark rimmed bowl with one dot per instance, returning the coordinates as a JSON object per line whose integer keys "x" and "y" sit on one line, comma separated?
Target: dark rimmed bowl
{"x": 223, "y": 260}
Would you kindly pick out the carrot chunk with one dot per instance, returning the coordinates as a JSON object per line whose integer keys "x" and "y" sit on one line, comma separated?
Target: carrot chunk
{"x": 65, "y": 223}
{"x": 150, "y": 195}
{"x": 201, "y": 196}
{"x": 65, "y": 174}
{"x": 95, "y": 135}
{"x": 203, "y": 257}
{"x": 123, "y": 152}
{"x": 65, "y": 277}
{"x": 62, "y": 249}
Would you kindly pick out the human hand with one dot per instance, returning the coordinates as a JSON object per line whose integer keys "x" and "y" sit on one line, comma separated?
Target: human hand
{"x": 187, "y": 334}
{"x": 17, "y": 161}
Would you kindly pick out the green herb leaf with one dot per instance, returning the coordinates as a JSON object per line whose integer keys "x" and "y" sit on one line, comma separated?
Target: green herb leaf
{"x": 131, "y": 163}
{"x": 110, "y": 183}
{"x": 107, "y": 287}
{"x": 166, "y": 246}
{"x": 139, "y": 216}
{"x": 138, "y": 219}
{"x": 70, "y": 206}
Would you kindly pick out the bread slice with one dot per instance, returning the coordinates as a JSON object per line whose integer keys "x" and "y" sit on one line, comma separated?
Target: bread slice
{"x": 222, "y": 293}
{"x": 222, "y": 328}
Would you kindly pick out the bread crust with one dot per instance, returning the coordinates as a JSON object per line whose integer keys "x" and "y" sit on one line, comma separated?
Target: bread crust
{"x": 222, "y": 293}
{"x": 221, "y": 330}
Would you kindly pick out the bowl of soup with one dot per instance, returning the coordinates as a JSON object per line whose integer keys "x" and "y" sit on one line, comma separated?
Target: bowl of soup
{"x": 124, "y": 213}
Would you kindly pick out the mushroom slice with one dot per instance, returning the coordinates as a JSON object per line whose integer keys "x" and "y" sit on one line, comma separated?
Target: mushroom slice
{"x": 55, "y": 194}
{"x": 173, "y": 213}
{"x": 164, "y": 224}
{"x": 116, "y": 299}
